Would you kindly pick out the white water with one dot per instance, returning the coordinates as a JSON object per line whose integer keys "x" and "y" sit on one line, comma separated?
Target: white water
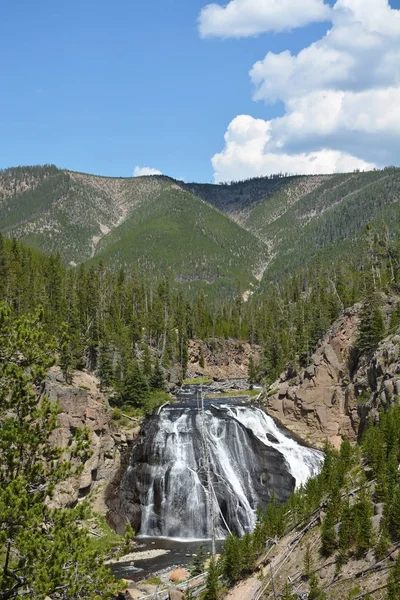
{"x": 167, "y": 479}
{"x": 302, "y": 462}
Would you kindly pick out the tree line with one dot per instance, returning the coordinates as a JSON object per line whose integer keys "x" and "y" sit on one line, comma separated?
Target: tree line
{"x": 125, "y": 324}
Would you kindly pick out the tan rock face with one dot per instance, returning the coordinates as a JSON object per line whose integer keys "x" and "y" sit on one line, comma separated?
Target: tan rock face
{"x": 83, "y": 408}
{"x": 317, "y": 403}
{"x": 223, "y": 359}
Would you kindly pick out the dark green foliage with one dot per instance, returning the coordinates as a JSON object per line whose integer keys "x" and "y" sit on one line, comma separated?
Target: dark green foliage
{"x": 212, "y": 585}
{"x": 45, "y": 552}
{"x": 363, "y": 511}
{"x": 315, "y": 592}
{"x": 371, "y": 328}
{"x": 134, "y": 389}
{"x": 201, "y": 358}
{"x": 147, "y": 367}
{"x": 393, "y": 588}
{"x": 252, "y": 371}
{"x": 288, "y": 592}
{"x": 308, "y": 566}
{"x": 328, "y": 535}
{"x": 157, "y": 380}
{"x": 105, "y": 371}
{"x": 197, "y": 566}
{"x": 66, "y": 357}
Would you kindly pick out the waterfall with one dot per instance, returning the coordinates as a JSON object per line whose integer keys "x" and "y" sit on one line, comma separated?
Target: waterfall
{"x": 165, "y": 492}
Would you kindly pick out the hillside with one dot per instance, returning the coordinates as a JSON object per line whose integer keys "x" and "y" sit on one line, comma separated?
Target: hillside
{"x": 179, "y": 234}
{"x": 148, "y": 220}
{"x": 198, "y": 233}
{"x": 299, "y": 218}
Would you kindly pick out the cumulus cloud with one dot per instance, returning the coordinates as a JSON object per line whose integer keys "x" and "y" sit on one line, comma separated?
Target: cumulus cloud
{"x": 340, "y": 94}
{"x": 240, "y": 18}
{"x": 250, "y": 151}
{"x": 142, "y": 171}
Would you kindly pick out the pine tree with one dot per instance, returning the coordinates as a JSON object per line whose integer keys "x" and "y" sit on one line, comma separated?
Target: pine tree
{"x": 146, "y": 362}
{"x": 134, "y": 388}
{"x": 232, "y": 559}
{"x": 197, "y": 566}
{"x": 393, "y": 588}
{"x": 157, "y": 381}
{"x": 328, "y": 534}
{"x": 288, "y": 592}
{"x": 363, "y": 511}
{"x": 371, "y": 329}
{"x": 308, "y": 566}
{"x": 105, "y": 370}
{"x": 45, "y": 552}
{"x": 251, "y": 371}
{"x": 346, "y": 532}
{"x": 212, "y": 585}
{"x": 66, "y": 357}
{"x": 201, "y": 358}
{"x": 315, "y": 592}
{"x": 383, "y": 544}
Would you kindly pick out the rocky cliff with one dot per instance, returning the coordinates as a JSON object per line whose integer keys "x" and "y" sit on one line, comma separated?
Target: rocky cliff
{"x": 223, "y": 359}
{"x": 333, "y": 397}
{"x": 83, "y": 405}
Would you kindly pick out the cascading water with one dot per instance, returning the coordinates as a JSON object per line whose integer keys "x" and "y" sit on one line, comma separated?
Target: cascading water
{"x": 165, "y": 491}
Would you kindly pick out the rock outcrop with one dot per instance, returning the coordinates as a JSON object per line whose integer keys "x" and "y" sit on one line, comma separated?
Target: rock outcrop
{"x": 319, "y": 403}
{"x": 84, "y": 407}
{"x": 336, "y": 395}
{"x": 223, "y": 359}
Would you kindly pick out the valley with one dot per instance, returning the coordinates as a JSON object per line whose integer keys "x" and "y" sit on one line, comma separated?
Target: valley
{"x": 173, "y": 405}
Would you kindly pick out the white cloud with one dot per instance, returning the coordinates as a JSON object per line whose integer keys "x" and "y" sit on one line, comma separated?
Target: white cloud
{"x": 142, "y": 171}
{"x": 240, "y": 18}
{"x": 340, "y": 94}
{"x": 251, "y": 152}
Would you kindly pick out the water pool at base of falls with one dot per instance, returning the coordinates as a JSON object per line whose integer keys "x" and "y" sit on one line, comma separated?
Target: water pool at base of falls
{"x": 165, "y": 490}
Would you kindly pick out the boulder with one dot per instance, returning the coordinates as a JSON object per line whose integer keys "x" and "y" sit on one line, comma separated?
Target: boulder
{"x": 133, "y": 594}
{"x": 175, "y": 594}
{"x": 179, "y": 575}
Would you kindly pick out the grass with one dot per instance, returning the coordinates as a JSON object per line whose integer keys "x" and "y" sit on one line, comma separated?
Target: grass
{"x": 234, "y": 393}
{"x": 108, "y": 538}
{"x": 153, "y": 401}
{"x": 151, "y": 581}
{"x": 197, "y": 380}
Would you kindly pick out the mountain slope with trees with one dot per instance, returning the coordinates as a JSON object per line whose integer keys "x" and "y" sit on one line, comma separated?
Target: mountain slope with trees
{"x": 227, "y": 236}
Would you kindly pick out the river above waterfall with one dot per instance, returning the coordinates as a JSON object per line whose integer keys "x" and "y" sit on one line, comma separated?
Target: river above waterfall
{"x": 193, "y": 471}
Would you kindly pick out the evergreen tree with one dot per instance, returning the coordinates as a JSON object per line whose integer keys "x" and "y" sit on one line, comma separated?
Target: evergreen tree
{"x": 134, "y": 388}
{"x": 197, "y": 566}
{"x": 251, "y": 371}
{"x": 288, "y": 592}
{"x": 371, "y": 329}
{"x": 315, "y": 592}
{"x": 45, "y": 552}
{"x": 232, "y": 559}
{"x": 201, "y": 358}
{"x": 363, "y": 510}
{"x": 308, "y": 566}
{"x": 105, "y": 369}
{"x": 328, "y": 534}
{"x": 146, "y": 362}
{"x": 157, "y": 381}
{"x": 383, "y": 544}
{"x": 212, "y": 586}
{"x": 66, "y": 357}
{"x": 393, "y": 588}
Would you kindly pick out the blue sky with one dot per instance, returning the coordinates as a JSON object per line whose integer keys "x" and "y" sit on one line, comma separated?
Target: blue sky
{"x": 102, "y": 87}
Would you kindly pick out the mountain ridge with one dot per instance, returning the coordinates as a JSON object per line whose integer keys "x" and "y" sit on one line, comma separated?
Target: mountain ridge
{"x": 267, "y": 226}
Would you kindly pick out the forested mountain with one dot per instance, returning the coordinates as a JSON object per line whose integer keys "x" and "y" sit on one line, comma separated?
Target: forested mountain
{"x": 228, "y": 235}
{"x": 148, "y": 220}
